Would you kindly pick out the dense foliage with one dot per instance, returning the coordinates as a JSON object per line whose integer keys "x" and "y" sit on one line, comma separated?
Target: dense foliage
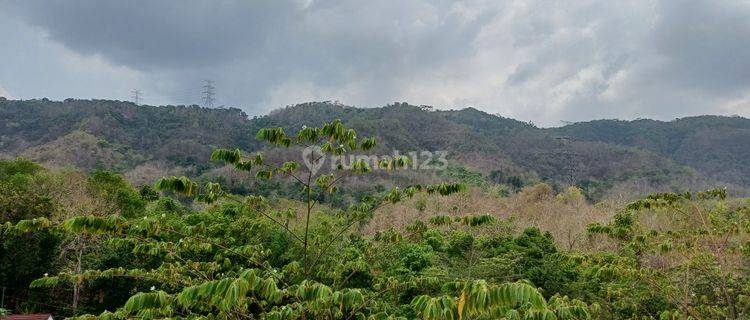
{"x": 716, "y": 146}
{"x": 93, "y": 246}
{"x": 607, "y": 160}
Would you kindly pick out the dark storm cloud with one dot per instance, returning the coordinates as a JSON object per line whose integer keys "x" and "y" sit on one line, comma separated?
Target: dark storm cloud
{"x": 160, "y": 34}
{"x": 288, "y": 34}
{"x": 262, "y": 44}
{"x": 536, "y": 60}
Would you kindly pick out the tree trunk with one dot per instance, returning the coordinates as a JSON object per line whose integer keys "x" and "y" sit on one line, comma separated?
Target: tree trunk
{"x": 78, "y": 282}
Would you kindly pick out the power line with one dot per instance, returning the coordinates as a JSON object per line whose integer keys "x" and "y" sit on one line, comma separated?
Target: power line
{"x": 208, "y": 94}
{"x": 136, "y": 96}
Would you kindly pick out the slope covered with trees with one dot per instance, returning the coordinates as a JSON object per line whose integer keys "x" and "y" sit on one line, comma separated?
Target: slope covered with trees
{"x": 93, "y": 246}
{"x": 146, "y": 142}
{"x": 179, "y": 135}
{"x": 716, "y": 146}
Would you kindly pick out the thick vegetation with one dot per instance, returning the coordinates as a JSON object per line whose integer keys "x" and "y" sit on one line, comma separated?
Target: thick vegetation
{"x": 716, "y": 146}
{"x": 93, "y": 246}
{"x": 629, "y": 159}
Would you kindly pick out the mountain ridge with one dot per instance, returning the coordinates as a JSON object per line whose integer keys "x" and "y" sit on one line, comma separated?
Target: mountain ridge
{"x": 599, "y": 156}
{"x": 716, "y": 145}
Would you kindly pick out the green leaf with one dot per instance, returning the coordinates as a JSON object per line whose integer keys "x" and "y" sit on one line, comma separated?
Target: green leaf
{"x": 226, "y": 155}
{"x": 181, "y": 185}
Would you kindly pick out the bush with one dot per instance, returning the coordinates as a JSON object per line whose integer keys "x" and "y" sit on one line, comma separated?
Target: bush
{"x": 417, "y": 257}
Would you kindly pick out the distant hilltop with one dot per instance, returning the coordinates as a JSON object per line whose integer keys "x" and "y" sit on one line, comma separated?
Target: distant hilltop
{"x": 602, "y": 157}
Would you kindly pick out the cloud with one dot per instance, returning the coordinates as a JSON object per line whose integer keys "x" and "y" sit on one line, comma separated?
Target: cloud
{"x": 534, "y": 60}
{"x": 32, "y": 66}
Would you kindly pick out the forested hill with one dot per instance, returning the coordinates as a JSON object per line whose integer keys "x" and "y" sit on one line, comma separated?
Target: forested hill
{"x": 718, "y": 147}
{"x": 602, "y": 157}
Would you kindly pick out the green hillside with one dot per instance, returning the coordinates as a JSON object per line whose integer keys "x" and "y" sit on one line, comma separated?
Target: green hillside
{"x": 91, "y": 245}
{"x": 146, "y": 142}
{"x": 718, "y": 147}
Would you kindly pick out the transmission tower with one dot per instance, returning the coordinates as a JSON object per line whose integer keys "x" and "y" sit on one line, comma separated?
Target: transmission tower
{"x": 208, "y": 93}
{"x": 136, "y": 96}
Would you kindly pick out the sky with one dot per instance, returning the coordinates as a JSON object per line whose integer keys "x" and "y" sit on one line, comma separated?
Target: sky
{"x": 544, "y": 61}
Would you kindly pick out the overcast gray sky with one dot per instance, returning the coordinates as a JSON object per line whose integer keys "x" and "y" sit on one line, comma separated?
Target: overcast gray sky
{"x": 535, "y": 60}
